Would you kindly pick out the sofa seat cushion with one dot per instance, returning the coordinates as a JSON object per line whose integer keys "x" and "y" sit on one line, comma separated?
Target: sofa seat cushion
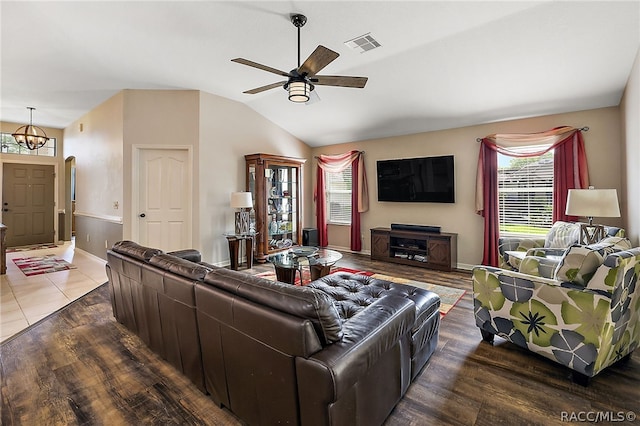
{"x": 304, "y": 302}
{"x": 562, "y": 235}
{"x": 352, "y": 293}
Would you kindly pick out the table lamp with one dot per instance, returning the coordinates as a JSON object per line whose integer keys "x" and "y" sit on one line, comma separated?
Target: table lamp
{"x": 244, "y": 202}
{"x": 592, "y": 203}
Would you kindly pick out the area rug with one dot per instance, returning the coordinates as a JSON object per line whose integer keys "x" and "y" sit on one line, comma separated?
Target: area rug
{"x": 42, "y": 265}
{"x": 31, "y": 247}
{"x": 449, "y": 296}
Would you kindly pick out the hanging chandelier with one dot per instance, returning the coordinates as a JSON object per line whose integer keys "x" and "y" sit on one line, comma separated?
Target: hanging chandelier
{"x": 31, "y": 137}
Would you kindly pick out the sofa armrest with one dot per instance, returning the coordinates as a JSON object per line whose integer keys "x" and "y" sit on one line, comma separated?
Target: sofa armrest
{"x": 368, "y": 336}
{"x": 545, "y": 251}
{"x": 518, "y": 243}
{"x": 515, "y": 244}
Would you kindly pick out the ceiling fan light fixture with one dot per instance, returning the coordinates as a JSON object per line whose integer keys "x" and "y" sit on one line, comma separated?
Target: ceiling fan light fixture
{"x": 299, "y": 91}
{"x": 30, "y": 136}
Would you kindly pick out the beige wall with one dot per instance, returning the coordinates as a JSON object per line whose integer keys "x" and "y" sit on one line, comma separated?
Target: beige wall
{"x": 219, "y": 133}
{"x": 603, "y": 145}
{"x": 95, "y": 140}
{"x": 230, "y": 130}
{"x": 630, "y": 111}
{"x": 57, "y": 162}
{"x": 159, "y": 119}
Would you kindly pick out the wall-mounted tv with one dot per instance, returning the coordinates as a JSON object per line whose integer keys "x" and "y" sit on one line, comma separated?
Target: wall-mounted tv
{"x": 420, "y": 180}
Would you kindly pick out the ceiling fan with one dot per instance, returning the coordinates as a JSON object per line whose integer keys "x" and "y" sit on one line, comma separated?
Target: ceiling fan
{"x": 302, "y": 80}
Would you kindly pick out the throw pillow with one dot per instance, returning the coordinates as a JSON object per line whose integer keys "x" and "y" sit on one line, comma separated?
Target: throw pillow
{"x": 562, "y": 235}
{"x": 579, "y": 264}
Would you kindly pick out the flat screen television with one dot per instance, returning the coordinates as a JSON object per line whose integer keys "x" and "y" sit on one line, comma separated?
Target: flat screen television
{"x": 418, "y": 180}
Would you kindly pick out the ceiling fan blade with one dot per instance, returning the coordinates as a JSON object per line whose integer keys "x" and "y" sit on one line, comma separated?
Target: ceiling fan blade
{"x": 339, "y": 80}
{"x": 263, "y": 88}
{"x": 320, "y": 58}
{"x": 313, "y": 98}
{"x": 260, "y": 66}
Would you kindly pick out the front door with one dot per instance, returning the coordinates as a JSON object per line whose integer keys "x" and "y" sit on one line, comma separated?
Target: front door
{"x": 164, "y": 198}
{"x": 28, "y": 203}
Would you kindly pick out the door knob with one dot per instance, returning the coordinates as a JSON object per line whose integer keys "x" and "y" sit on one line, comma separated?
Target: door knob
{"x": 142, "y": 215}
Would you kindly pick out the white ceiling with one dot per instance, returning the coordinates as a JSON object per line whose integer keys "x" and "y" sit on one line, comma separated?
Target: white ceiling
{"x": 442, "y": 64}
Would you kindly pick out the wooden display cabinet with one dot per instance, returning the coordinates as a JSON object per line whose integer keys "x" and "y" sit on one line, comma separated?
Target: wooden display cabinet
{"x": 275, "y": 185}
{"x": 415, "y": 248}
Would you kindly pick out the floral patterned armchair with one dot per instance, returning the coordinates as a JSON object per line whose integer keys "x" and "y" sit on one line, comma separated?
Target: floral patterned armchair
{"x": 561, "y": 236}
{"x": 587, "y": 317}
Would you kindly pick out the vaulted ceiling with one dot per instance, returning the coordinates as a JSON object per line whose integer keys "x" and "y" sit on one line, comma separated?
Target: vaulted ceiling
{"x": 441, "y": 64}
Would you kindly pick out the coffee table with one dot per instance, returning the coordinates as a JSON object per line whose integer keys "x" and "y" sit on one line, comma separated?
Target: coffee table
{"x": 287, "y": 263}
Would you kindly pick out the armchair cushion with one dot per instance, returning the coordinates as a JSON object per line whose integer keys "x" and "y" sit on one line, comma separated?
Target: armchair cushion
{"x": 578, "y": 264}
{"x": 562, "y": 235}
{"x": 538, "y": 266}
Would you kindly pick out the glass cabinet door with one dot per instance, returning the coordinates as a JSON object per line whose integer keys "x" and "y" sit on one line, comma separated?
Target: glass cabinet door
{"x": 282, "y": 205}
{"x": 251, "y": 187}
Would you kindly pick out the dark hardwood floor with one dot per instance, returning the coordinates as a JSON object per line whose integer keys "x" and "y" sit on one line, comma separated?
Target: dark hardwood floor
{"x": 80, "y": 367}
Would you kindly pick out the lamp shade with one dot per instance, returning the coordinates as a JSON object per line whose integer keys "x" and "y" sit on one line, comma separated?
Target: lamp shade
{"x": 299, "y": 91}
{"x": 593, "y": 203}
{"x": 241, "y": 200}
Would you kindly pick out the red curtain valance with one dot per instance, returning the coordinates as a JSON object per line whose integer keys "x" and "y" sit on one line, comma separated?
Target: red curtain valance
{"x": 569, "y": 172}
{"x": 359, "y": 193}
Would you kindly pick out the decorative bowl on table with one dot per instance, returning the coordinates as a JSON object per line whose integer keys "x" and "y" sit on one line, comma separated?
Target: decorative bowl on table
{"x": 304, "y": 251}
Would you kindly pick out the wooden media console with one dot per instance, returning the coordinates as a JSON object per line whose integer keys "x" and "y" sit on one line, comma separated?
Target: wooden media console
{"x": 415, "y": 248}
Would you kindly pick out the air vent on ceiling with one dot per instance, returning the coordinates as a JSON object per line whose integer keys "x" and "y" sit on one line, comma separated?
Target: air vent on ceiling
{"x": 363, "y": 43}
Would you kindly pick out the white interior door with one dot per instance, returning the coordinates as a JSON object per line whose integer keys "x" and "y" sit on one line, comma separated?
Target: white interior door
{"x": 164, "y": 198}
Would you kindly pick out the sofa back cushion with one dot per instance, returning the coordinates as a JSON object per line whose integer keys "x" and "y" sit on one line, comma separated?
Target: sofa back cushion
{"x": 183, "y": 267}
{"x": 562, "y": 235}
{"x": 303, "y": 302}
{"x": 135, "y": 250}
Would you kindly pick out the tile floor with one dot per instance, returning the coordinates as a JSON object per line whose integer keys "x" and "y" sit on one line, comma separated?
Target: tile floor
{"x": 26, "y": 300}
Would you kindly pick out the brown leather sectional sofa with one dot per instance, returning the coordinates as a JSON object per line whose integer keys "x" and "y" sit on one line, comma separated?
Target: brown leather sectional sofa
{"x": 342, "y": 350}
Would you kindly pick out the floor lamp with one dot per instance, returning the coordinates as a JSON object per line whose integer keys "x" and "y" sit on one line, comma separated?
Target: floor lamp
{"x": 592, "y": 203}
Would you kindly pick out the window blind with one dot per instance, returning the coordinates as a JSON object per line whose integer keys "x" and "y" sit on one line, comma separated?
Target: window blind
{"x": 338, "y": 186}
{"x": 525, "y": 193}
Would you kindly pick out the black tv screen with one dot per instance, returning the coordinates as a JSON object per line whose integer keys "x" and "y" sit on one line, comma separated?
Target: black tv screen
{"x": 421, "y": 180}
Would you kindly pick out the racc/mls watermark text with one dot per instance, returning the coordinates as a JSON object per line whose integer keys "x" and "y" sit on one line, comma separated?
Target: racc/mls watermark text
{"x": 597, "y": 416}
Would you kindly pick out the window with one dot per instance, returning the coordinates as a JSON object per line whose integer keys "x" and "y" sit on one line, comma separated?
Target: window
{"x": 10, "y": 146}
{"x": 338, "y": 187}
{"x": 525, "y": 193}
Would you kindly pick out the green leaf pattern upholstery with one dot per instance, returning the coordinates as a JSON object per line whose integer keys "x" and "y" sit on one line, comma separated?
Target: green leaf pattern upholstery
{"x": 584, "y": 328}
{"x": 561, "y": 233}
